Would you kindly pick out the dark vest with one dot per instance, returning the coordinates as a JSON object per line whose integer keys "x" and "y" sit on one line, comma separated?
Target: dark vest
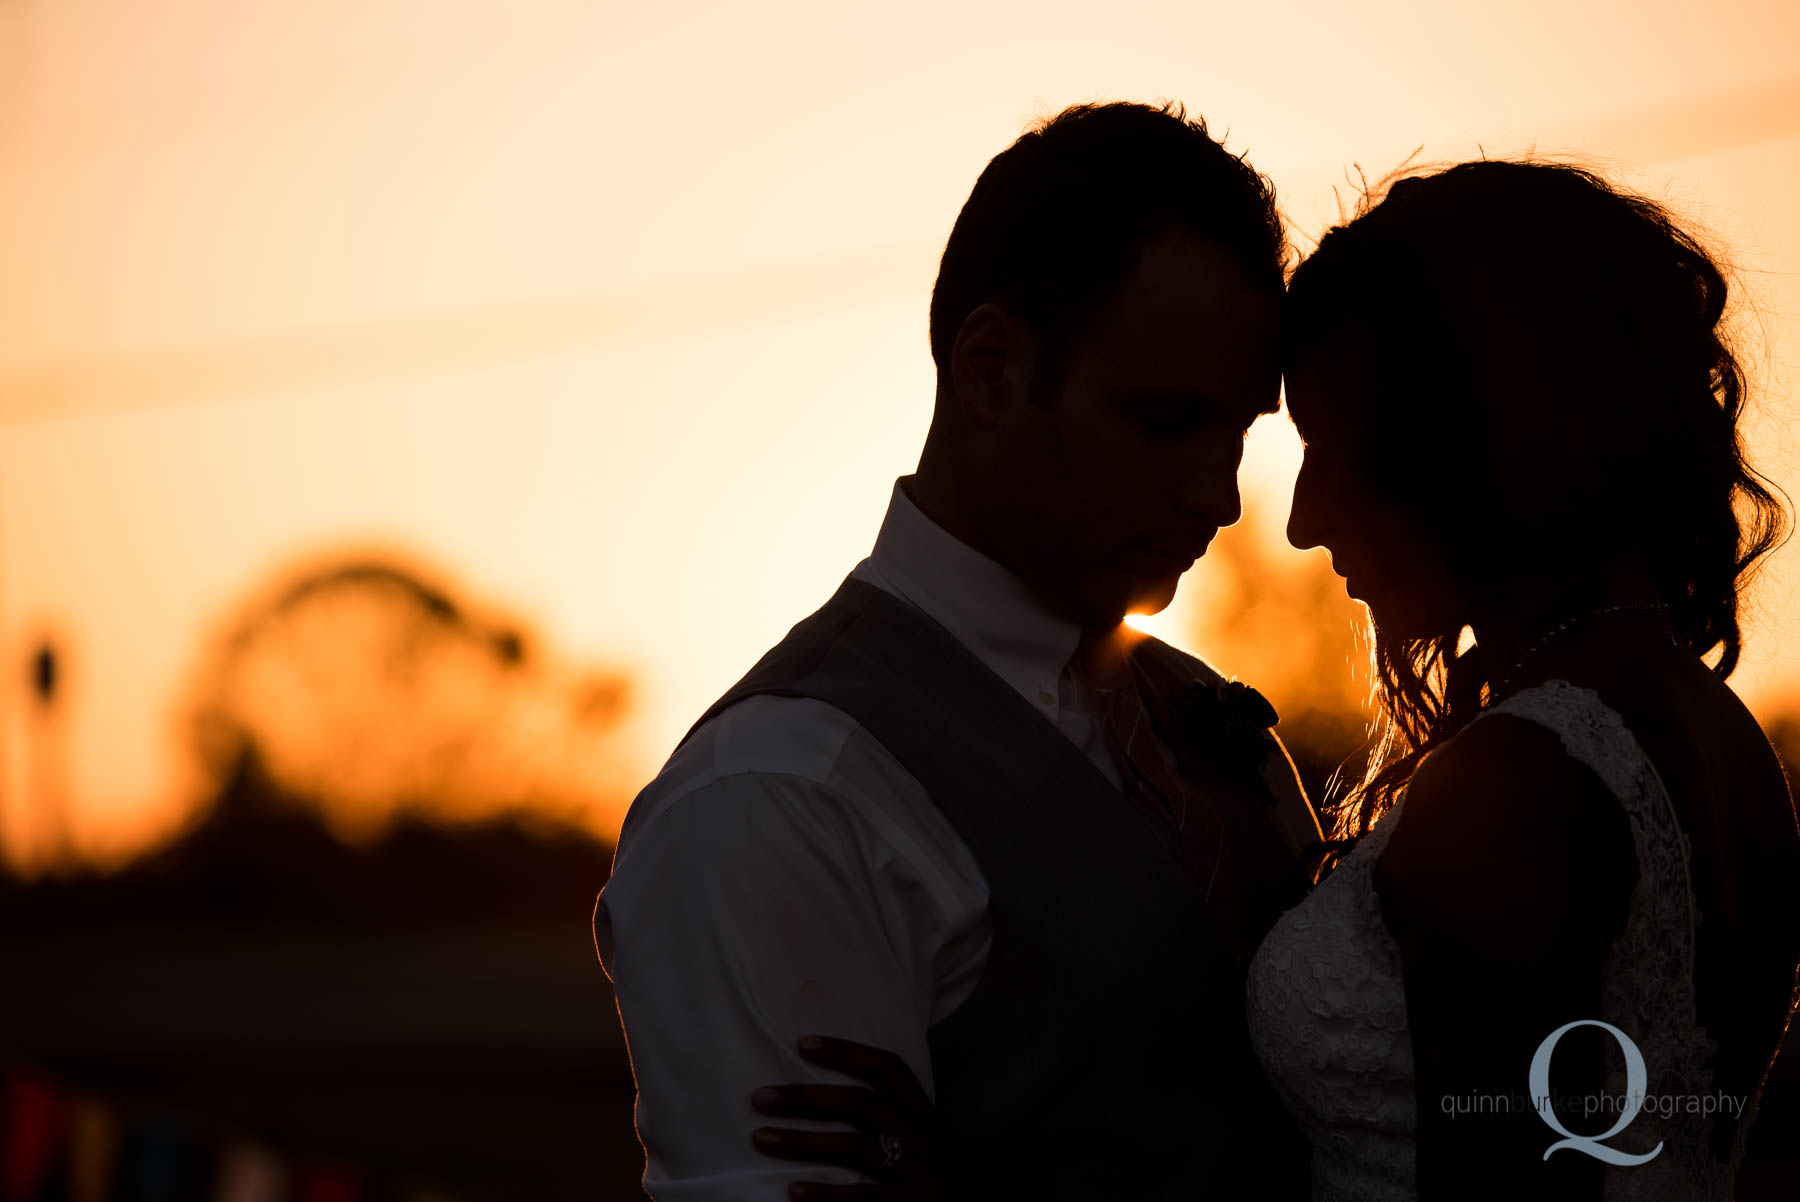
{"x": 1103, "y": 1053}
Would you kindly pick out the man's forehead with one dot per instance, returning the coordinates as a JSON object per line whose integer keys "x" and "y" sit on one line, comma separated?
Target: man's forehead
{"x": 1181, "y": 263}
{"x": 1241, "y": 397}
{"x": 1197, "y": 351}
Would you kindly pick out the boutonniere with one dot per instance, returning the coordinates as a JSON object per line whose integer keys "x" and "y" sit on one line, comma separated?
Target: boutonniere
{"x": 1229, "y": 723}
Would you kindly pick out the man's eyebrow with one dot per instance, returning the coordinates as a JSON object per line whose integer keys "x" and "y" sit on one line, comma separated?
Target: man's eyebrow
{"x": 1176, "y": 398}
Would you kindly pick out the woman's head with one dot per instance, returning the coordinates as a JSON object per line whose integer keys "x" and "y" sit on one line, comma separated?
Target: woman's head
{"x": 1510, "y": 375}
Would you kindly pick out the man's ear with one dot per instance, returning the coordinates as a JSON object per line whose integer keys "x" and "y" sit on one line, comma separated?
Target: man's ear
{"x": 990, "y": 365}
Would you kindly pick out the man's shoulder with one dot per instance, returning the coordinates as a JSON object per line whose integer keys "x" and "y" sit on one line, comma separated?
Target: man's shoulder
{"x": 761, "y": 741}
{"x": 1294, "y": 811}
{"x": 1185, "y": 662}
{"x": 774, "y": 779}
{"x": 800, "y": 748}
{"x": 766, "y": 733}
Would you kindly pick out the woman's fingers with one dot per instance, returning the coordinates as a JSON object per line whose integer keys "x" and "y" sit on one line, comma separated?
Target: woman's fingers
{"x": 850, "y": 1103}
{"x": 814, "y": 1191}
{"x": 861, "y": 1108}
{"x": 850, "y": 1149}
{"x": 891, "y": 1076}
{"x": 893, "y": 1121}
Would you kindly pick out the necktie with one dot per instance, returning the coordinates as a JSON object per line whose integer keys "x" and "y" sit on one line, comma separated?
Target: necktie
{"x": 1102, "y": 664}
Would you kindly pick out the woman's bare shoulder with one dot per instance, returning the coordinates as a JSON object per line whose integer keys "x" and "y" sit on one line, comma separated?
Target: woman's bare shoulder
{"x": 1501, "y": 834}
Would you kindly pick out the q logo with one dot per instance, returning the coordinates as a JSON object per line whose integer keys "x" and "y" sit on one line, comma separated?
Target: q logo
{"x": 1635, "y": 1078}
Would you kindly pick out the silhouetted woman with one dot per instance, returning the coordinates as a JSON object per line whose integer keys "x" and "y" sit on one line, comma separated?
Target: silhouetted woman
{"x": 1521, "y": 417}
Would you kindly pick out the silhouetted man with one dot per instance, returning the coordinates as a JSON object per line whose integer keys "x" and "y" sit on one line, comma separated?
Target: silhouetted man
{"x": 962, "y": 811}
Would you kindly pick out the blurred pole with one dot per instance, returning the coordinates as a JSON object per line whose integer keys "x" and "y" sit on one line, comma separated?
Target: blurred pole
{"x": 49, "y": 803}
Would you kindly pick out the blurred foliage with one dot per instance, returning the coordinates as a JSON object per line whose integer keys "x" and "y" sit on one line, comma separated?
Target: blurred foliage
{"x": 1280, "y": 621}
{"x": 264, "y": 858}
{"x": 366, "y": 688}
{"x": 1784, "y": 733}
{"x": 379, "y": 754}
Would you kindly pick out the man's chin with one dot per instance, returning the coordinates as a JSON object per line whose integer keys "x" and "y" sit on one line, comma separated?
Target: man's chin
{"x": 1106, "y": 600}
{"x": 1151, "y": 598}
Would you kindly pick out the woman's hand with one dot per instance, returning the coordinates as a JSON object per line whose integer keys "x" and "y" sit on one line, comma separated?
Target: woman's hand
{"x": 891, "y": 1144}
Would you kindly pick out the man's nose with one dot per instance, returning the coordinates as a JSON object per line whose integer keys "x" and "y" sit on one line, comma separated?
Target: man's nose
{"x": 1212, "y": 493}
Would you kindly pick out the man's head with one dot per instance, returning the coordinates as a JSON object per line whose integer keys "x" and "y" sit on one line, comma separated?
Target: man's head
{"x": 1104, "y": 331}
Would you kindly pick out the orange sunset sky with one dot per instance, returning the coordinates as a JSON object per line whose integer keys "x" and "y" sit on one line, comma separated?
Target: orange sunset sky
{"x": 613, "y": 317}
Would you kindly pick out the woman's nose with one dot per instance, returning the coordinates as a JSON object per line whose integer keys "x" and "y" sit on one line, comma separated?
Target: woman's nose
{"x": 1307, "y": 513}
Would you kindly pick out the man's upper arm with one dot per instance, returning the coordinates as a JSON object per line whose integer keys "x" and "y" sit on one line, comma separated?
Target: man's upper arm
{"x": 745, "y": 915}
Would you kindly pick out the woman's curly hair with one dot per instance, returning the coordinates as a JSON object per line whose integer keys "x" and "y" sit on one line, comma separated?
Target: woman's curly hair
{"x": 1540, "y": 319}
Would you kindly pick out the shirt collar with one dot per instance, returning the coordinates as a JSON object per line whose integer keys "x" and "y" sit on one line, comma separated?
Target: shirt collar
{"x": 989, "y": 609}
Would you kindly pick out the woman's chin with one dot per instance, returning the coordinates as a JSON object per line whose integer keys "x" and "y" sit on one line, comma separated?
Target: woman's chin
{"x": 1358, "y": 588}
{"x": 1403, "y": 619}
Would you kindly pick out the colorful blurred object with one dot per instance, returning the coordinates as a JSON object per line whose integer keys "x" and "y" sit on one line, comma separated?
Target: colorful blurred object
{"x": 33, "y": 1133}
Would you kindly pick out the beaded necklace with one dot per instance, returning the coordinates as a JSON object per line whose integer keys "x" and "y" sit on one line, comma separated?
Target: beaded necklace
{"x": 1513, "y": 671}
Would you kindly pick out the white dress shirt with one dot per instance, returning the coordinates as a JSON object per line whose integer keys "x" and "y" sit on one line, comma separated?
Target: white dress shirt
{"x": 784, "y": 874}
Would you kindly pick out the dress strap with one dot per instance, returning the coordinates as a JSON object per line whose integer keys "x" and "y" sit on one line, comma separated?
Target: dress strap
{"x": 1594, "y": 734}
{"x": 1647, "y": 984}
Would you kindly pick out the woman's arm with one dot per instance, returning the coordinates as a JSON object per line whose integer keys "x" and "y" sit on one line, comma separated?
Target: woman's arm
{"x": 1504, "y": 884}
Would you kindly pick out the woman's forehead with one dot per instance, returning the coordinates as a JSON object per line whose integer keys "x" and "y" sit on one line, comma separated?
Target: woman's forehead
{"x": 1341, "y": 368}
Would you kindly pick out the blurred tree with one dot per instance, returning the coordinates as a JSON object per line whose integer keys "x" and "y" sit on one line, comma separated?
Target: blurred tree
{"x": 1280, "y": 621}
{"x": 1783, "y": 730}
{"x": 378, "y": 753}
{"x": 366, "y": 688}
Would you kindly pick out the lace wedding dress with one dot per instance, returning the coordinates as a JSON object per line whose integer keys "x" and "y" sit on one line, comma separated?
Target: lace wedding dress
{"x": 1327, "y": 1012}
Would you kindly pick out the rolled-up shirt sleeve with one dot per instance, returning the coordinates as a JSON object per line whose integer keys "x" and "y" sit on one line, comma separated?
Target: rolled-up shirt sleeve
{"x": 752, "y": 910}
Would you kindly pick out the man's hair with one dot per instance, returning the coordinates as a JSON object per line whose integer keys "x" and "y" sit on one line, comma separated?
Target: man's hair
{"x": 1059, "y": 218}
